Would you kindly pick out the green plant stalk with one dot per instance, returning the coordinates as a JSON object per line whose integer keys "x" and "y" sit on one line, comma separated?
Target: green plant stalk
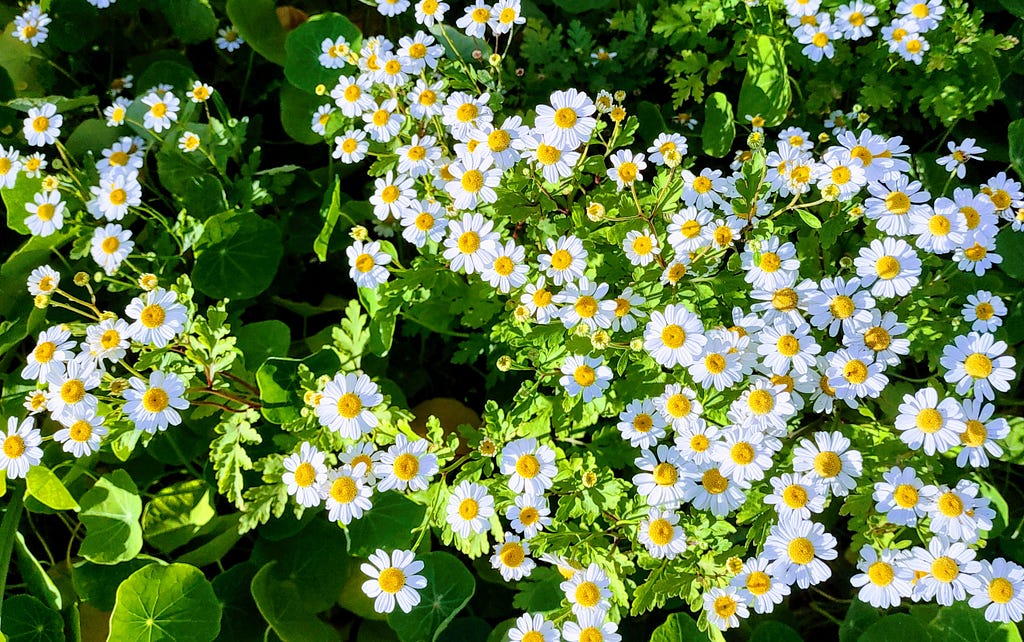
{"x": 8, "y": 529}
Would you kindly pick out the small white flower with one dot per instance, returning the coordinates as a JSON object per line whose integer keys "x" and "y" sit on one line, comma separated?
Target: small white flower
{"x": 157, "y": 316}
{"x": 529, "y": 515}
{"x": 406, "y": 465}
{"x": 393, "y": 578}
{"x": 42, "y": 125}
{"x": 470, "y": 509}
{"x": 799, "y": 549}
{"x": 154, "y": 405}
{"x": 511, "y": 558}
{"x": 20, "y": 447}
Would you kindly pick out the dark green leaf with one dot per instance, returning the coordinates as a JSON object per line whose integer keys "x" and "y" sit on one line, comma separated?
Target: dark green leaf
{"x": 39, "y": 583}
{"x": 278, "y": 380}
{"x": 239, "y": 256}
{"x": 773, "y": 632}
{"x": 261, "y": 340}
{"x": 449, "y": 587}
{"x": 192, "y": 20}
{"x": 97, "y": 583}
{"x": 313, "y": 560}
{"x": 962, "y": 623}
{"x": 280, "y": 601}
{"x": 765, "y": 91}
{"x": 172, "y": 603}
{"x": 26, "y": 619}
{"x": 387, "y": 525}
{"x": 1016, "y": 136}
{"x": 304, "y": 45}
{"x": 896, "y": 627}
{"x": 297, "y": 109}
{"x": 257, "y": 22}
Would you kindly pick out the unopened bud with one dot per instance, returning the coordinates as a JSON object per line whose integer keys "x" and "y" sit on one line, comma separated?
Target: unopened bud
{"x": 619, "y": 96}
{"x": 589, "y": 479}
{"x": 148, "y": 282}
{"x": 487, "y": 447}
{"x": 521, "y": 314}
{"x": 618, "y": 114}
{"x": 81, "y": 278}
{"x": 596, "y": 212}
{"x": 823, "y": 137}
{"x": 672, "y": 158}
{"x": 320, "y": 89}
{"x": 734, "y": 564}
{"x": 504, "y": 363}
{"x": 600, "y": 340}
{"x": 477, "y": 54}
{"x": 636, "y": 344}
{"x": 118, "y": 386}
{"x": 494, "y": 59}
{"x": 41, "y": 301}
{"x": 359, "y": 233}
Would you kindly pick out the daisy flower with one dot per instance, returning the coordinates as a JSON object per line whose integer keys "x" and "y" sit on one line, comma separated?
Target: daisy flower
{"x": 830, "y": 461}
{"x": 508, "y": 268}
{"x": 31, "y": 26}
{"x": 392, "y": 195}
{"x": 587, "y": 591}
{"x": 902, "y": 497}
{"x": 42, "y": 125}
{"x": 626, "y": 311}
{"x": 34, "y": 164}
{"x": 537, "y": 300}
{"x": 416, "y": 158}
{"x": 795, "y": 496}
{"x": 1000, "y": 591}
{"x": 406, "y": 465}
{"x": 978, "y": 361}
{"x": 853, "y": 374}
{"x": 945, "y": 571}
{"x": 565, "y": 260}
{"x": 661, "y": 534}
{"x": 568, "y": 120}
{"x": 163, "y": 110}
{"x": 585, "y": 305}
{"x": 756, "y": 581}
{"x": 117, "y": 191}
{"x": 744, "y": 454}
{"x": 116, "y": 112}
{"x": 926, "y": 14}
{"x": 10, "y": 166}
{"x": 984, "y": 311}
{"x": 883, "y": 581}
{"x": 365, "y": 453}
{"x": 107, "y": 340}
{"x": 347, "y": 494}
{"x": 504, "y": 15}
{"x": 69, "y": 386}
{"x": 20, "y": 450}
{"x": 940, "y": 230}
{"x": 798, "y": 550}
{"x": 689, "y": 230}
{"x": 383, "y": 122}
{"x": 473, "y": 181}
{"x": 154, "y": 405}
{"x": 890, "y": 267}
{"x": 353, "y": 95}
{"x": 641, "y": 424}
{"x": 320, "y": 118}
{"x": 893, "y": 203}
{"x": 157, "y": 317}
{"x": 694, "y": 442}
{"x": 529, "y": 515}
{"x": 393, "y": 579}
{"x": 626, "y": 168}
{"x": 818, "y": 38}
{"x": 765, "y": 406}
{"x": 770, "y": 264}
{"x": 54, "y": 348}
{"x": 585, "y": 374}
{"x": 474, "y": 21}
{"x": 784, "y": 348}
{"x": 679, "y": 406}
{"x": 708, "y": 489}
{"x": 469, "y": 243}
{"x": 430, "y": 11}
{"x": 591, "y": 627}
{"x": 926, "y": 423}
{"x": 533, "y": 628}
{"x": 334, "y": 53}
{"x": 703, "y": 190}
{"x": 531, "y": 466}
{"x": 511, "y": 558}
{"x": 419, "y": 52}
{"x": 662, "y": 480}
{"x": 724, "y": 607}
{"x": 787, "y": 302}
{"x": 959, "y": 514}
{"x": 839, "y": 175}
{"x": 346, "y": 405}
{"x": 229, "y": 39}
{"x": 674, "y": 336}
{"x": 880, "y": 335}
{"x": 855, "y": 20}
{"x": 43, "y": 281}
{"x": 840, "y": 304}
{"x": 111, "y": 245}
{"x": 979, "y": 257}
{"x": 665, "y": 143}
{"x": 423, "y": 220}
{"x": 463, "y": 113}
{"x": 351, "y": 147}
{"x": 912, "y": 48}
{"x": 980, "y": 434}
{"x": 956, "y": 161}
{"x": 470, "y": 509}
{"x": 640, "y": 247}
{"x": 82, "y": 434}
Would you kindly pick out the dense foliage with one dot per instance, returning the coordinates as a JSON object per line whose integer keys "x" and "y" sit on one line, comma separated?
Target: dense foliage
{"x": 567, "y": 319}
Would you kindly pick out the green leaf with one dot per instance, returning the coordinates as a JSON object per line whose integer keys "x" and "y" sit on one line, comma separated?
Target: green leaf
{"x": 651, "y": 122}
{"x": 280, "y": 601}
{"x": 679, "y": 627}
{"x": 257, "y": 21}
{"x": 579, "y": 6}
{"x": 16, "y": 198}
{"x": 39, "y": 583}
{"x": 810, "y": 219}
{"x": 449, "y": 587}
{"x": 26, "y": 619}
{"x": 48, "y": 489}
{"x": 1016, "y": 136}
{"x": 962, "y": 623}
{"x": 261, "y": 340}
{"x": 239, "y": 256}
{"x": 447, "y": 35}
{"x": 169, "y": 72}
{"x": 1010, "y": 246}
{"x": 313, "y": 560}
{"x": 297, "y": 109}
{"x": 177, "y": 513}
{"x": 859, "y": 617}
{"x": 387, "y": 525}
{"x": 772, "y": 631}
{"x": 92, "y": 135}
{"x": 62, "y": 104}
{"x": 719, "y": 125}
{"x": 896, "y": 627}
{"x": 110, "y": 513}
{"x": 330, "y": 215}
{"x": 173, "y": 602}
{"x": 97, "y": 583}
{"x": 765, "y": 91}
{"x": 279, "y": 383}
{"x": 225, "y": 535}
{"x": 241, "y": 619}
{"x": 303, "y": 47}
{"x": 191, "y": 20}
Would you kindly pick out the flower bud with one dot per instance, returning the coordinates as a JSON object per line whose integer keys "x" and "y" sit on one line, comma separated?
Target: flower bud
{"x": 487, "y": 447}
{"x": 619, "y": 96}
{"x": 600, "y": 340}
{"x": 148, "y": 282}
{"x": 636, "y": 344}
{"x": 81, "y": 278}
{"x": 494, "y": 59}
{"x": 504, "y": 363}
{"x": 118, "y": 386}
{"x": 320, "y": 89}
{"x": 477, "y": 54}
{"x": 359, "y": 233}
{"x": 589, "y": 479}
{"x": 734, "y": 564}
{"x": 672, "y": 158}
{"x": 596, "y": 212}
{"x": 521, "y": 314}
{"x": 41, "y": 301}
{"x": 823, "y": 137}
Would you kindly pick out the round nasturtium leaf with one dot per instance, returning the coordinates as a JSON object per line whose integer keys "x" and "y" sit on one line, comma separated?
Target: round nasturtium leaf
{"x": 173, "y": 602}
{"x": 304, "y": 45}
{"x": 26, "y": 619}
{"x": 449, "y": 587}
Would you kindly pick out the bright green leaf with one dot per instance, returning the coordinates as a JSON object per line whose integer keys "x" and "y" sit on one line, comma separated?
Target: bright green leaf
{"x": 1016, "y": 136}
{"x": 679, "y": 627}
{"x": 962, "y": 623}
{"x": 97, "y": 583}
{"x": 177, "y": 513}
{"x": 16, "y": 198}
{"x": 172, "y": 603}
{"x": 110, "y": 513}
{"x": 304, "y": 45}
{"x": 279, "y": 382}
{"x": 48, "y": 489}
{"x": 261, "y": 340}
{"x": 39, "y": 583}
{"x": 719, "y": 125}
{"x": 765, "y": 91}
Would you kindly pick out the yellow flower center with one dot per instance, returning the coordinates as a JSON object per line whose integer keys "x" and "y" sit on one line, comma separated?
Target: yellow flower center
{"x": 788, "y": 345}
{"x": 155, "y": 400}
{"x": 785, "y": 299}
{"x": 406, "y": 466}
{"x": 504, "y": 266}
{"x": 622, "y": 307}
{"x": 427, "y": 98}
{"x": 110, "y": 244}
{"x": 565, "y": 118}
{"x": 856, "y": 18}
{"x": 381, "y": 117}
{"x": 390, "y": 194}
{"x": 971, "y": 216}
{"x": 512, "y": 554}
{"x": 945, "y": 569}
{"x": 897, "y": 203}
{"x": 905, "y": 496}
{"x": 881, "y": 574}
{"x": 713, "y": 481}
{"x": 498, "y": 140}
{"x": 343, "y": 490}
{"x": 914, "y": 46}
{"x": 715, "y": 363}
{"x": 801, "y": 550}
{"x": 855, "y": 371}
{"x": 468, "y": 508}
{"x": 14, "y": 447}
{"x": 627, "y": 172}
{"x": 80, "y": 431}
{"x": 841, "y": 175}
{"x": 887, "y": 267}
{"x": 929, "y": 420}
{"x": 950, "y": 505}
{"x": 466, "y": 112}
{"x": 699, "y": 443}
{"x": 159, "y": 110}
{"x": 472, "y": 180}
{"x": 678, "y": 405}
{"x": 976, "y": 252}
{"x": 349, "y": 145}
{"x": 586, "y": 306}
{"x": 587, "y": 594}
{"x": 978, "y": 365}
{"x": 975, "y": 434}
{"x": 541, "y": 298}
{"x": 760, "y": 401}
{"x": 528, "y": 467}
{"x": 1000, "y": 198}
{"x": 758, "y": 582}
{"x": 349, "y": 404}
{"x": 920, "y": 10}
{"x": 984, "y": 311}
{"x": 742, "y": 453}
{"x": 305, "y": 475}
{"x": 702, "y": 185}
{"x": 40, "y": 124}
{"x": 424, "y": 222}
{"x": 584, "y": 376}
{"x": 391, "y": 580}
{"x": 660, "y": 531}
{"x": 665, "y": 474}
{"x": 690, "y": 229}
{"x": 591, "y": 634}
{"x": 529, "y": 516}
{"x": 795, "y": 496}
{"x": 365, "y": 263}
{"x": 725, "y": 607}
{"x": 877, "y": 338}
{"x": 827, "y": 464}
{"x": 723, "y": 235}
{"x": 1000, "y": 590}
{"x": 785, "y": 381}
{"x": 820, "y": 39}
{"x": 118, "y": 196}
{"x": 417, "y": 153}
{"x": 469, "y": 242}
{"x": 353, "y": 93}
{"x": 643, "y": 423}
{"x": 152, "y": 316}
{"x": 938, "y": 225}
{"x": 72, "y": 391}
{"x": 548, "y": 154}
{"x": 392, "y": 67}
{"x": 507, "y": 15}
{"x": 44, "y": 351}
{"x": 673, "y": 336}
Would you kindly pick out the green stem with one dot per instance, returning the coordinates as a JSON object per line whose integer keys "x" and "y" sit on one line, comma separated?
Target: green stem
{"x": 8, "y": 530}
